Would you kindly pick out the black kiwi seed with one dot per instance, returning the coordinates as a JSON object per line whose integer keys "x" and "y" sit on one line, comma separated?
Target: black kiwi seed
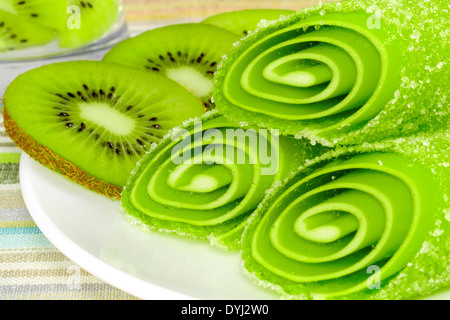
{"x": 140, "y": 142}
{"x": 82, "y": 127}
{"x": 153, "y": 119}
{"x": 34, "y": 15}
{"x": 170, "y": 56}
{"x": 68, "y": 125}
{"x": 2, "y": 24}
{"x": 156, "y": 69}
{"x": 118, "y": 151}
{"x": 83, "y": 4}
{"x": 85, "y": 87}
{"x": 71, "y": 95}
{"x": 156, "y": 126}
{"x": 63, "y": 114}
{"x": 199, "y": 59}
{"x": 110, "y": 145}
{"x": 129, "y": 108}
{"x": 94, "y": 94}
{"x": 110, "y": 95}
{"x": 21, "y": 2}
{"x": 90, "y": 5}
{"x": 129, "y": 152}
{"x": 102, "y": 92}
{"x": 112, "y": 89}
{"x": 161, "y": 57}
{"x": 140, "y": 116}
{"x": 24, "y": 40}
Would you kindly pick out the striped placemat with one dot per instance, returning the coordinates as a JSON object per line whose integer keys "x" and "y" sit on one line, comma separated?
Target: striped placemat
{"x": 30, "y": 266}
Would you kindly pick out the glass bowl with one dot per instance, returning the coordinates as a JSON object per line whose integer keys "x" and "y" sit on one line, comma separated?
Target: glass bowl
{"x": 14, "y": 63}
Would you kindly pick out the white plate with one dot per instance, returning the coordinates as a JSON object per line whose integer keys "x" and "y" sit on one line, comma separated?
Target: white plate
{"x": 91, "y": 231}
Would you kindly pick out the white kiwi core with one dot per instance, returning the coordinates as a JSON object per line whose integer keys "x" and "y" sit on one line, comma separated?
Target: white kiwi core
{"x": 111, "y": 119}
{"x": 192, "y": 79}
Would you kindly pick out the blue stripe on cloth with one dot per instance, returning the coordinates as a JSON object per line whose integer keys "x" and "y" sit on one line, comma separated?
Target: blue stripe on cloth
{"x": 6, "y": 231}
{"x": 13, "y": 238}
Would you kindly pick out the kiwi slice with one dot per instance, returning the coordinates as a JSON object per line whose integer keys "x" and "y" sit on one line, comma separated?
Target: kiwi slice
{"x": 50, "y": 13}
{"x": 241, "y": 22}
{"x": 93, "y": 121}
{"x": 186, "y": 53}
{"x": 78, "y": 22}
{"x": 19, "y": 33}
{"x": 87, "y": 21}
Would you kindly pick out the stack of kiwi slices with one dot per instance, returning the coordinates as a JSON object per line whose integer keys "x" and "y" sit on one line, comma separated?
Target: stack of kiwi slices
{"x": 73, "y": 23}
{"x": 93, "y": 121}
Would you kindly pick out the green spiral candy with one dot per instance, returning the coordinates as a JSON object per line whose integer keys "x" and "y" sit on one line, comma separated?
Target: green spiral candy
{"x": 343, "y": 73}
{"x": 365, "y": 222}
{"x": 205, "y": 179}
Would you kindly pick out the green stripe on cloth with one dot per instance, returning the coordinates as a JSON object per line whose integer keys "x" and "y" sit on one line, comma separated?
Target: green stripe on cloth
{"x": 9, "y": 158}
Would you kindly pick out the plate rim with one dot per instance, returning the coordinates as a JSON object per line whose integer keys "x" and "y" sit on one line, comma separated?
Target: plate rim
{"x": 117, "y": 278}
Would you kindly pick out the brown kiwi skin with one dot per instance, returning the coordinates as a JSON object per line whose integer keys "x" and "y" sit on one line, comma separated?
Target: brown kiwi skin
{"x": 51, "y": 160}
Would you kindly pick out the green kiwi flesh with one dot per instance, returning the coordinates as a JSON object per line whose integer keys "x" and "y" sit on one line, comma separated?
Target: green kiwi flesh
{"x": 186, "y": 53}
{"x": 50, "y": 13}
{"x": 19, "y": 33}
{"x": 100, "y": 117}
{"x": 87, "y": 21}
{"x": 241, "y": 22}
{"x": 77, "y": 22}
